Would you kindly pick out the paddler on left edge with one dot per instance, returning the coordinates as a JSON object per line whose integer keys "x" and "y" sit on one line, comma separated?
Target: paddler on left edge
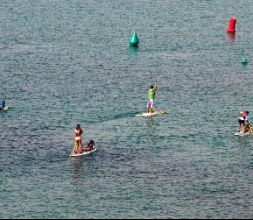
{"x": 2, "y": 105}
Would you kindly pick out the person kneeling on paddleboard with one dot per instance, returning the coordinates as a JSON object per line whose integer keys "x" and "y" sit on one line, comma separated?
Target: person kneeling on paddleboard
{"x": 90, "y": 146}
{"x": 151, "y": 98}
{"x": 78, "y": 139}
{"x": 2, "y": 105}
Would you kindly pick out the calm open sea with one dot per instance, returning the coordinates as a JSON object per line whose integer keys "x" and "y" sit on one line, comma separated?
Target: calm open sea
{"x": 65, "y": 62}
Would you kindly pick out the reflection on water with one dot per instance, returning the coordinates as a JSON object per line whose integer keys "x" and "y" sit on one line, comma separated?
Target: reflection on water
{"x": 78, "y": 163}
{"x": 83, "y": 167}
{"x": 231, "y": 36}
{"x": 133, "y": 50}
{"x": 150, "y": 122}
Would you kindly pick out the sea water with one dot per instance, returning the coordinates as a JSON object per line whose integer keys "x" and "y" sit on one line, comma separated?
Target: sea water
{"x": 65, "y": 62}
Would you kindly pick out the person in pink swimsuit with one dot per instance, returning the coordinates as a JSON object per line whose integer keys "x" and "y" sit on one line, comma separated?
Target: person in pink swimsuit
{"x": 78, "y": 138}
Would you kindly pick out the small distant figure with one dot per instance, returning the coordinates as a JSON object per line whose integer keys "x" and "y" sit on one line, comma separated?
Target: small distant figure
{"x": 243, "y": 120}
{"x": 78, "y": 138}
{"x": 2, "y": 105}
{"x": 151, "y": 98}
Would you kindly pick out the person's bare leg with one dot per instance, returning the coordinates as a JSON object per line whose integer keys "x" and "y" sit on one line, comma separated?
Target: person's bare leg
{"x": 75, "y": 148}
{"x": 79, "y": 146}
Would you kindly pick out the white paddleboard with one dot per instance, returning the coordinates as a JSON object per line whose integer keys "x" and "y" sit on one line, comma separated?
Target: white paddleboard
{"x": 84, "y": 153}
{"x": 241, "y": 134}
{"x": 5, "y": 108}
{"x": 145, "y": 114}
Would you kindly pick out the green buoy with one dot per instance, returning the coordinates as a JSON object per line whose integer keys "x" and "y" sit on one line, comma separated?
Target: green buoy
{"x": 133, "y": 40}
{"x": 244, "y": 61}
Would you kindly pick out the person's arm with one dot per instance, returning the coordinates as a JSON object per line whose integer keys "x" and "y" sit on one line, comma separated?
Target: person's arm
{"x": 155, "y": 86}
{"x": 246, "y": 120}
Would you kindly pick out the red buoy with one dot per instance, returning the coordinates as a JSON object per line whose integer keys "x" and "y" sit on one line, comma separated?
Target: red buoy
{"x": 231, "y": 25}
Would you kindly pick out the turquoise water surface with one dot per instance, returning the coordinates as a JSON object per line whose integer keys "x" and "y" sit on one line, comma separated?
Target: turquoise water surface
{"x": 65, "y": 62}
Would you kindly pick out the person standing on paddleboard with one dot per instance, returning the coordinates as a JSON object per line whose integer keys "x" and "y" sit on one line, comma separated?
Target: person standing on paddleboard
{"x": 78, "y": 138}
{"x": 151, "y": 98}
{"x": 243, "y": 119}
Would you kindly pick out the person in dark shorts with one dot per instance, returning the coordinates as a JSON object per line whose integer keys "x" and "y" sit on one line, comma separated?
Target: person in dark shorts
{"x": 243, "y": 120}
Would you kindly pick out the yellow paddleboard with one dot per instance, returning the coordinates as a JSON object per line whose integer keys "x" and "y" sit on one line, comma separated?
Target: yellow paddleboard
{"x": 151, "y": 114}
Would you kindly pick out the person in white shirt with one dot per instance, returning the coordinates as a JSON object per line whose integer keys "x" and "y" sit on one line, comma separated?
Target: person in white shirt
{"x": 243, "y": 120}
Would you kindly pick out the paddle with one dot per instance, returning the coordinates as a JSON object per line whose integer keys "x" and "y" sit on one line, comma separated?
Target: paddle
{"x": 251, "y": 129}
